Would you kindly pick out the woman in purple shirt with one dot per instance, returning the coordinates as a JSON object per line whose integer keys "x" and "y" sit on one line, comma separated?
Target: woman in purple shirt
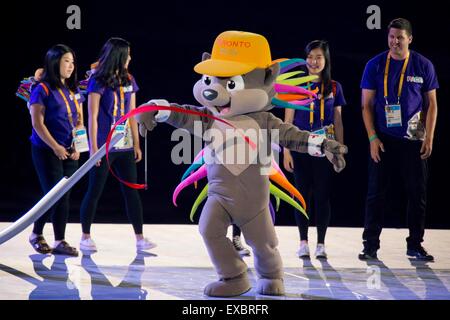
{"x": 56, "y": 113}
{"x": 112, "y": 94}
{"x": 314, "y": 175}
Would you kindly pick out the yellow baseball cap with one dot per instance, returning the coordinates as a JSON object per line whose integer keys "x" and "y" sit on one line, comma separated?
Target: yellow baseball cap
{"x": 235, "y": 53}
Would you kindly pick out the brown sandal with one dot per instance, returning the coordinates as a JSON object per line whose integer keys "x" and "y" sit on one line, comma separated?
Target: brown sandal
{"x": 64, "y": 248}
{"x": 40, "y": 245}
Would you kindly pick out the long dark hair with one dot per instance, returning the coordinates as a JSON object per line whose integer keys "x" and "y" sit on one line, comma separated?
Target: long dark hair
{"x": 326, "y": 72}
{"x": 52, "y": 74}
{"x": 111, "y": 71}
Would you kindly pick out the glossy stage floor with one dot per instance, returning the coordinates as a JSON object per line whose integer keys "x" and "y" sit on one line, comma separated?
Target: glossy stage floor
{"x": 179, "y": 267}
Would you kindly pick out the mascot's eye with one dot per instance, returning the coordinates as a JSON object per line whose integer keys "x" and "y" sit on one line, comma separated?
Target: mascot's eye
{"x": 235, "y": 83}
{"x": 207, "y": 80}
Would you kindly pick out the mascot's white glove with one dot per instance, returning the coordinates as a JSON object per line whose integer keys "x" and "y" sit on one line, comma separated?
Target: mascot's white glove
{"x": 319, "y": 146}
{"x": 315, "y": 142}
{"x": 162, "y": 115}
{"x": 147, "y": 121}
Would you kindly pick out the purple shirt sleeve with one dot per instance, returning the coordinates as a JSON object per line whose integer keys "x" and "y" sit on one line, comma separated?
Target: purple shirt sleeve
{"x": 94, "y": 86}
{"x": 134, "y": 84}
{"x": 368, "y": 78}
{"x": 38, "y": 96}
{"x": 339, "y": 99}
{"x": 430, "y": 81}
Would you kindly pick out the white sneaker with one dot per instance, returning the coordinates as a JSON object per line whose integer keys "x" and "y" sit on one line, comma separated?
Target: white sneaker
{"x": 88, "y": 244}
{"x": 243, "y": 251}
{"x": 145, "y": 244}
{"x": 303, "y": 251}
{"x": 320, "y": 252}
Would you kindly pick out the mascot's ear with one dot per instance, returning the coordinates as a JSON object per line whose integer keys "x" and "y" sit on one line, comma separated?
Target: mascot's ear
{"x": 206, "y": 56}
{"x": 271, "y": 74}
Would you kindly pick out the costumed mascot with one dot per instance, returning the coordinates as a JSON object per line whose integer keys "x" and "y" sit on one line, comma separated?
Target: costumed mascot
{"x": 237, "y": 86}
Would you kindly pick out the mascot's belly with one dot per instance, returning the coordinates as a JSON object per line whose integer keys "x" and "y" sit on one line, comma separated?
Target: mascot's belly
{"x": 236, "y": 174}
{"x": 242, "y": 196}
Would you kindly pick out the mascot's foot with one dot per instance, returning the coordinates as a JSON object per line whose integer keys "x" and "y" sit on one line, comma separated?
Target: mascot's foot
{"x": 270, "y": 287}
{"x": 228, "y": 287}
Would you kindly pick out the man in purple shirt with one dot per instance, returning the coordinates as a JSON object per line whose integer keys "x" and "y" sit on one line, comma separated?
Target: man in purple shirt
{"x": 399, "y": 110}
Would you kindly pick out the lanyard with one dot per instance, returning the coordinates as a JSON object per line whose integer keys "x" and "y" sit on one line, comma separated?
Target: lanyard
{"x": 402, "y": 77}
{"x": 122, "y": 104}
{"x": 69, "y": 111}
{"x": 322, "y": 106}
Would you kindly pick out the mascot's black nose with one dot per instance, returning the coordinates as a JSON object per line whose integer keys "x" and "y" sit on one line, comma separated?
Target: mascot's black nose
{"x": 210, "y": 94}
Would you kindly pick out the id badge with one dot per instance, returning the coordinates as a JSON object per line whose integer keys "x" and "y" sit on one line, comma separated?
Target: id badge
{"x": 327, "y": 131}
{"x": 80, "y": 140}
{"x": 393, "y": 114}
{"x": 127, "y": 140}
{"x": 320, "y": 132}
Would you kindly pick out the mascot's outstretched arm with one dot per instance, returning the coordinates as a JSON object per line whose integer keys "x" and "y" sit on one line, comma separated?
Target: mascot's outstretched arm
{"x": 305, "y": 142}
{"x": 148, "y": 120}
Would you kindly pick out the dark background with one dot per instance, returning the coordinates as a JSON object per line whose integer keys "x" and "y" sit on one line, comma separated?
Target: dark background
{"x": 168, "y": 38}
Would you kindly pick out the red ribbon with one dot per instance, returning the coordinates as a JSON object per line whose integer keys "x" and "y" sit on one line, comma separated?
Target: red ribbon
{"x": 147, "y": 108}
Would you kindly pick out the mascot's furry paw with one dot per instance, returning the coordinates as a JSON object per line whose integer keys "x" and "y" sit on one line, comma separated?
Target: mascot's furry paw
{"x": 334, "y": 151}
{"x": 146, "y": 122}
{"x": 270, "y": 287}
{"x": 228, "y": 287}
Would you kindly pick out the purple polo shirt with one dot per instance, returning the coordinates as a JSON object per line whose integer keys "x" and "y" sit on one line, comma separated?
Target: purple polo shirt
{"x": 420, "y": 77}
{"x": 56, "y": 118}
{"x": 301, "y": 119}
{"x": 106, "y": 110}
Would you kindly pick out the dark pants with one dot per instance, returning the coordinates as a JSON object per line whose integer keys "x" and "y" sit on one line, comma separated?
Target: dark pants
{"x": 313, "y": 178}
{"x": 50, "y": 171}
{"x": 124, "y": 166}
{"x": 401, "y": 160}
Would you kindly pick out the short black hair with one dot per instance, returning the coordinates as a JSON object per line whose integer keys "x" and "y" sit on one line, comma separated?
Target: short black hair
{"x": 51, "y": 68}
{"x": 402, "y": 24}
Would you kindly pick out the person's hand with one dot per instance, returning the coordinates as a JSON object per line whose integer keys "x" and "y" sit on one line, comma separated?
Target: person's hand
{"x": 61, "y": 152}
{"x": 137, "y": 154}
{"x": 375, "y": 146}
{"x": 92, "y": 151}
{"x": 334, "y": 151}
{"x": 288, "y": 161}
{"x": 75, "y": 155}
{"x": 427, "y": 147}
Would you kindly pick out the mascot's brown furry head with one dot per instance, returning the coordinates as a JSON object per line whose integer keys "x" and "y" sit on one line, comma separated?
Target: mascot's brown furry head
{"x": 238, "y": 76}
